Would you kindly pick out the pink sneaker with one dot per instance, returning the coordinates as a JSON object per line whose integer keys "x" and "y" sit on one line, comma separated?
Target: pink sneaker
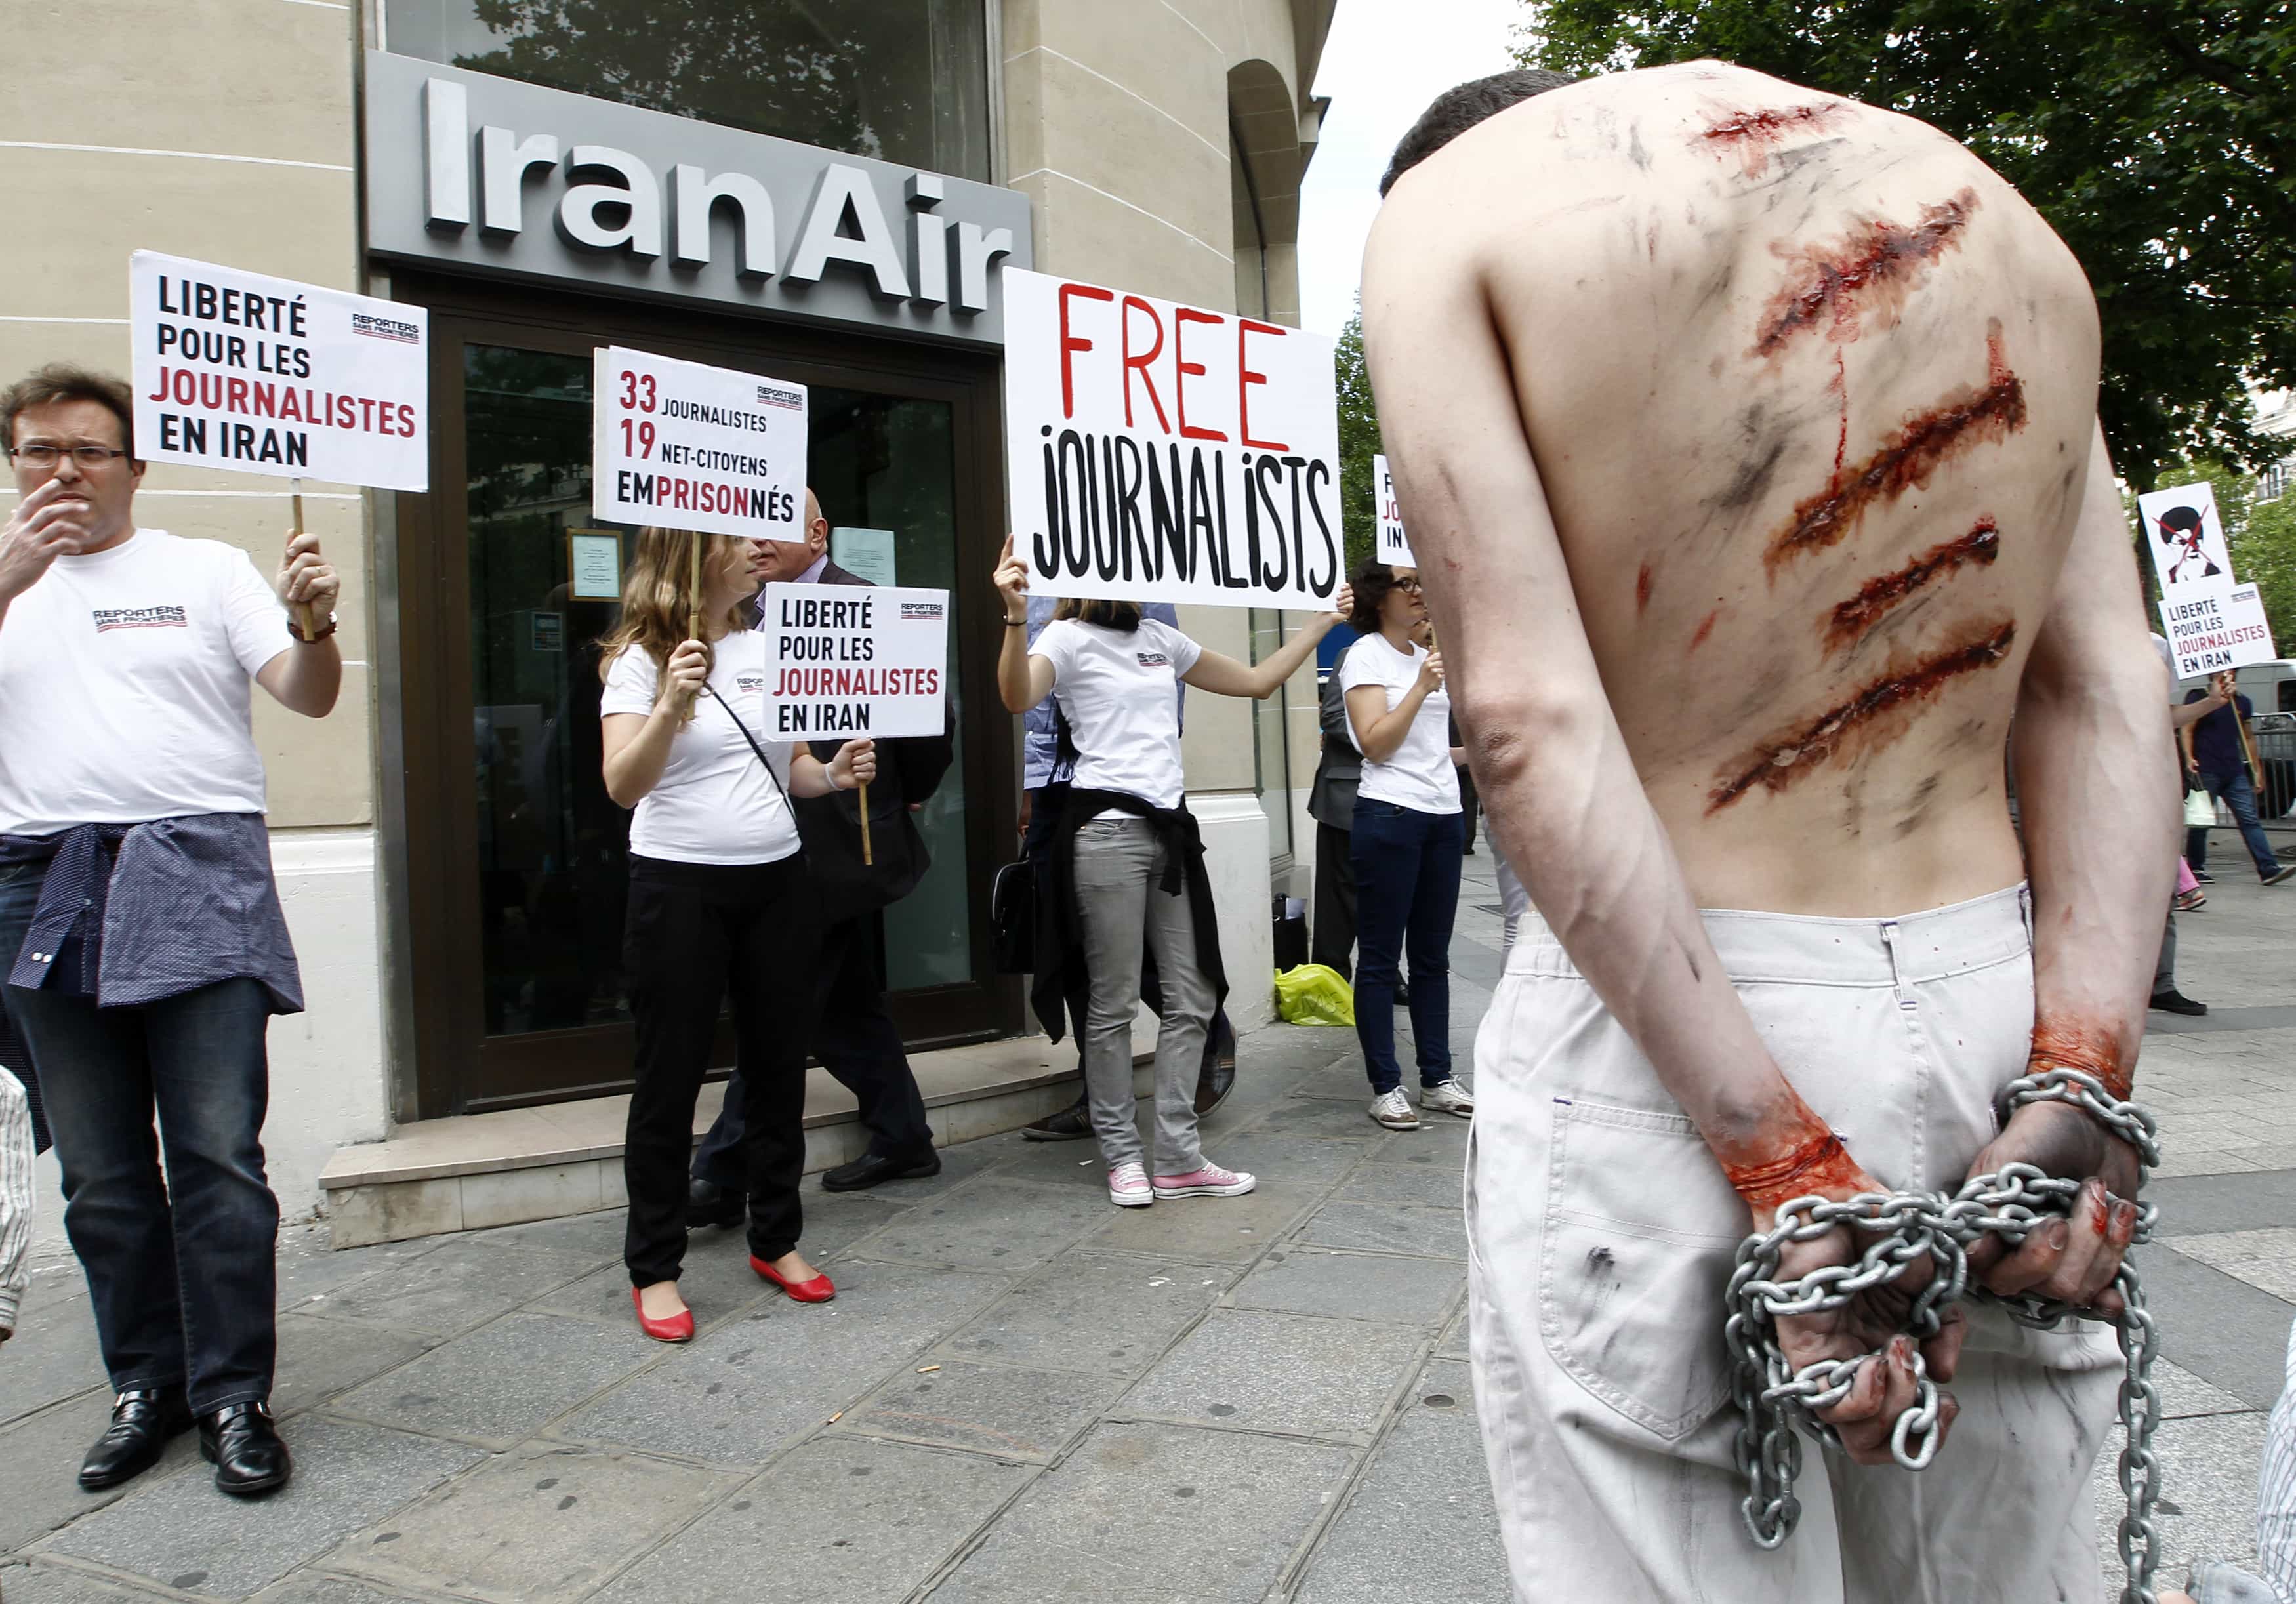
{"x": 1209, "y": 1182}
{"x": 1128, "y": 1188}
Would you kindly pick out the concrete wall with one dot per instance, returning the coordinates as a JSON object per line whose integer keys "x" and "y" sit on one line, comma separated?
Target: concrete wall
{"x": 1121, "y": 123}
{"x": 221, "y": 130}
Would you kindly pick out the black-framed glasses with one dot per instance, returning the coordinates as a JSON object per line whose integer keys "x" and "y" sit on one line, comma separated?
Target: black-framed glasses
{"x": 1411, "y": 586}
{"x": 47, "y": 456}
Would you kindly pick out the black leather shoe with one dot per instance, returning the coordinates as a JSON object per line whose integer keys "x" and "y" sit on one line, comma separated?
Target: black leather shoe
{"x": 1213, "y": 1085}
{"x": 1071, "y": 1124}
{"x": 875, "y": 1169}
{"x": 2175, "y": 1002}
{"x": 709, "y": 1204}
{"x": 239, "y": 1441}
{"x": 142, "y": 1422}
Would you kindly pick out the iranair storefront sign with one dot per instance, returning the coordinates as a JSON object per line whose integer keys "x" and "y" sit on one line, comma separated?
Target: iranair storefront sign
{"x": 486, "y": 175}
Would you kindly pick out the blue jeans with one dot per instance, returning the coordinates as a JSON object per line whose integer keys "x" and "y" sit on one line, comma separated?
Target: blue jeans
{"x": 181, "y": 1271}
{"x": 1406, "y": 866}
{"x": 2237, "y": 792}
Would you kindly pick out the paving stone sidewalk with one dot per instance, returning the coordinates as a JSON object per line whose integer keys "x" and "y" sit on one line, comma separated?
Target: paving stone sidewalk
{"x": 1020, "y": 1393}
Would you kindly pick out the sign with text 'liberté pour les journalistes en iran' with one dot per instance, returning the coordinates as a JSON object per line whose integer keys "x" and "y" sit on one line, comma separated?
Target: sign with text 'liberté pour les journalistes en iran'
{"x": 683, "y": 445}
{"x": 847, "y": 660}
{"x": 2215, "y": 625}
{"x": 1162, "y": 453}
{"x": 1393, "y": 549}
{"x": 258, "y": 374}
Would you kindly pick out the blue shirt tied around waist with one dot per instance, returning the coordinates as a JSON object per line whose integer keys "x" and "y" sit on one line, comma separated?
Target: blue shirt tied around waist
{"x": 136, "y": 913}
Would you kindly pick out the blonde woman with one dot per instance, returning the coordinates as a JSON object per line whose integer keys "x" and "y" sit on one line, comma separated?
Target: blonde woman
{"x": 718, "y": 906}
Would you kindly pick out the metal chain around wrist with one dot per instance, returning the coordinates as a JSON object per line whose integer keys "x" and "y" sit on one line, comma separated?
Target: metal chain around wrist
{"x": 1901, "y": 1227}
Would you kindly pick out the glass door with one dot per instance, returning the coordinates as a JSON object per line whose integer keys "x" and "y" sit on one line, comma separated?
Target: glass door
{"x": 518, "y": 880}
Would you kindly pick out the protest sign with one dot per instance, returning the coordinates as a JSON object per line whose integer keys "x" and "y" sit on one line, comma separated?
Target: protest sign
{"x": 2215, "y": 627}
{"x": 848, "y": 661}
{"x": 1394, "y": 550}
{"x": 1162, "y": 453}
{"x": 258, "y": 374}
{"x": 2186, "y": 536}
{"x": 682, "y": 446}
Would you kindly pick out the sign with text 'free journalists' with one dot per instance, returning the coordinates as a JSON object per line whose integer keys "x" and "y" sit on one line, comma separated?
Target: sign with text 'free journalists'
{"x": 682, "y": 446}
{"x": 1160, "y": 452}
{"x": 2216, "y": 625}
{"x": 264, "y": 375}
{"x": 1394, "y": 549}
{"x": 854, "y": 659}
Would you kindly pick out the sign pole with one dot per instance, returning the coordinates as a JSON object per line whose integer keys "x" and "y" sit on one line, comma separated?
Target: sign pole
{"x": 867, "y": 857}
{"x": 305, "y": 617}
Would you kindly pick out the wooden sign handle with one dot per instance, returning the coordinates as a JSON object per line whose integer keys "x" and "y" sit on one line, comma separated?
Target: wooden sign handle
{"x": 868, "y": 858}
{"x": 306, "y": 617}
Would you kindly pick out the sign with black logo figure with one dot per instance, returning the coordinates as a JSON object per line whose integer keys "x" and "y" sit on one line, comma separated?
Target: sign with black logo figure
{"x": 258, "y": 374}
{"x": 682, "y": 446}
{"x": 848, "y": 660}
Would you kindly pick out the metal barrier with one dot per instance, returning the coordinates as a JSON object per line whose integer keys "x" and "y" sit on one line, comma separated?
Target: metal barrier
{"x": 2276, "y": 755}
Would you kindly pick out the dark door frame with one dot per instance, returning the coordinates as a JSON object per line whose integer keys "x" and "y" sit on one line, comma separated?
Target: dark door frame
{"x": 456, "y": 1068}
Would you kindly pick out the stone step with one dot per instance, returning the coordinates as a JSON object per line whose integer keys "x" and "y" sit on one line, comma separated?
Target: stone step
{"x": 474, "y": 1171}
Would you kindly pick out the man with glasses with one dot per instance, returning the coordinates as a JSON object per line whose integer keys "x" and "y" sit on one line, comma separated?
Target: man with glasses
{"x": 141, "y": 935}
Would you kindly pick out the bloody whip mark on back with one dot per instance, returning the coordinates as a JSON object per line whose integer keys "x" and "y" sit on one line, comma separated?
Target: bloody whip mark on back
{"x": 1705, "y": 628}
{"x": 1960, "y": 421}
{"x": 1643, "y": 587}
{"x": 1855, "y": 618}
{"x": 1798, "y": 753}
{"x": 1753, "y": 134}
{"x": 2090, "y": 1049}
{"x": 1874, "y": 269}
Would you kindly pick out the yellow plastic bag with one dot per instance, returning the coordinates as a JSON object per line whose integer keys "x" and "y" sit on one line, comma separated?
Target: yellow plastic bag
{"x": 1313, "y": 995}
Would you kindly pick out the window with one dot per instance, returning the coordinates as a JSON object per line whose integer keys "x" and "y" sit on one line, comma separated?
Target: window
{"x": 903, "y": 80}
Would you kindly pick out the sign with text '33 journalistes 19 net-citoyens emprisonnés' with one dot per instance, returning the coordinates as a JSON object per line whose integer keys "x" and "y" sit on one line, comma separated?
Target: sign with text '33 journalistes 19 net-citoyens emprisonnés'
{"x": 1162, "y": 453}
{"x": 683, "y": 445}
{"x": 264, "y": 375}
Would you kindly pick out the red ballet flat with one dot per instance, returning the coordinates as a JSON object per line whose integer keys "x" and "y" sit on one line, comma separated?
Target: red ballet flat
{"x": 819, "y": 1290}
{"x": 675, "y": 1328}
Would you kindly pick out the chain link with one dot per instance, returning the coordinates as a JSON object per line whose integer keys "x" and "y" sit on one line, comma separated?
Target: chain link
{"x": 1898, "y": 1229}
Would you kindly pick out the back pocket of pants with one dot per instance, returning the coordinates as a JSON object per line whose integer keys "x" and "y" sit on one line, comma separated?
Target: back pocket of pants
{"x": 1641, "y": 1232}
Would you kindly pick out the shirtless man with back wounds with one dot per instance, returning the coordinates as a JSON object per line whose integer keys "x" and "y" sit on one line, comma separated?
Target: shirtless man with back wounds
{"x": 1747, "y": 440}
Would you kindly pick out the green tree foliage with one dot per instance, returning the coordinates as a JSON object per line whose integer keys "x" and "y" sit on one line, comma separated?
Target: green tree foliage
{"x": 1359, "y": 444}
{"x": 2156, "y": 137}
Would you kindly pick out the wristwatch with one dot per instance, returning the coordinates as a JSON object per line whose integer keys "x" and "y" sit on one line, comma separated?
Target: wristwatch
{"x": 325, "y": 630}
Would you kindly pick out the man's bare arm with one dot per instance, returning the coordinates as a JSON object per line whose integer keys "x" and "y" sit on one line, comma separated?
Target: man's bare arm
{"x": 1560, "y": 788}
{"x": 2097, "y": 790}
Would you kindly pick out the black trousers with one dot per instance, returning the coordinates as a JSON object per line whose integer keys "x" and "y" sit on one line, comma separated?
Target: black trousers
{"x": 696, "y": 933}
{"x": 855, "y": 1040}
{"x": 1333, "y": 940}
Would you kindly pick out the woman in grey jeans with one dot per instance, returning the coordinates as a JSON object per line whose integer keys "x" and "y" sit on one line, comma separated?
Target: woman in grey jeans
{"x": 1126, "y": 864}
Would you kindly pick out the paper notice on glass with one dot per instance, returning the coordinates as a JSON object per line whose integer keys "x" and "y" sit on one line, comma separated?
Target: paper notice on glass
{"x": 594, "y": 561}
{"x": 864, "y": 553}
{"x": 2212, "y": 628}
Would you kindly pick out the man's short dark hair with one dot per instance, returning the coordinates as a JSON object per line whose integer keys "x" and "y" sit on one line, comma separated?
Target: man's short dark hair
{"x": 1457, "y": 110}
{"x": 66, "y": 381}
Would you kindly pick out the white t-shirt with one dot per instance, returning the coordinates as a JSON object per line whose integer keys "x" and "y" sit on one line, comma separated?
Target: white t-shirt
{"x": 1419, "y": 773}
{"x": 714, "y": 803}
{"x": 1119, "y": 691}
{"x": 124, "y": 681}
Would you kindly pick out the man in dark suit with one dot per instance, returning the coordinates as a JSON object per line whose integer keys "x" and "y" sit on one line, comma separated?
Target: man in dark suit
{"x": 855, "y": 1037}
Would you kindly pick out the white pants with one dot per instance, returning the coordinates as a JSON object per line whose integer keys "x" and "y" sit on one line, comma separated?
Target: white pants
{"x": 1603, "y": 1232}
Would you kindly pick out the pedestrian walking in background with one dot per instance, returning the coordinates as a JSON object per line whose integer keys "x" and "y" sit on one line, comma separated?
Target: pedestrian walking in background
{"x": 2188, "y": 897}
{"x": 853, "y": 1032}
{"x": 719, "y": 904}
{"x": 145, "y": 943}
{"x": 15, "y": 1200}
{"x": 1126, "y": 862}
{"x": 1407, "y": 842}
{"x": 2215, "y": 750}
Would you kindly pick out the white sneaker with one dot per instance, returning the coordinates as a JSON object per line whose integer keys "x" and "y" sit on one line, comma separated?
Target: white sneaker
{"x": 1210, "y": 1180}
{"x": 1447, "y": 1097}
{"x": 1128, "y": 1188}
{"x": 1392, "y": 1110}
